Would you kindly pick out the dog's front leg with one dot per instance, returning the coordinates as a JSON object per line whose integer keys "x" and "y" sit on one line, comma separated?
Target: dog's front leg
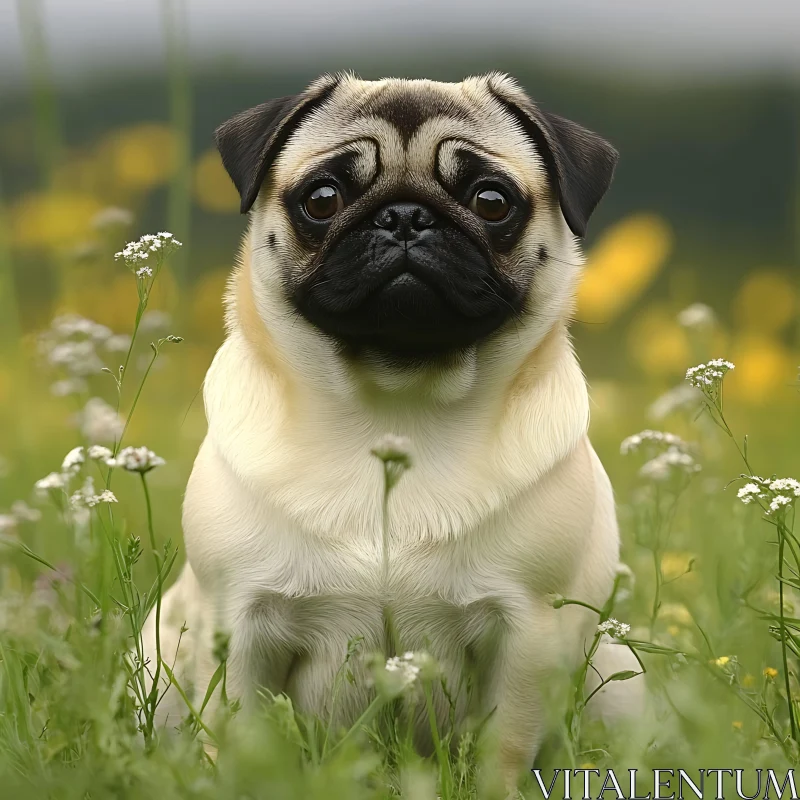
{"x": 520, "y": 696}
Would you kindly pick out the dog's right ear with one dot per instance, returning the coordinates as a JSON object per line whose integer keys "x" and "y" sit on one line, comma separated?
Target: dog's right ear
{"x": 250, "y": 142}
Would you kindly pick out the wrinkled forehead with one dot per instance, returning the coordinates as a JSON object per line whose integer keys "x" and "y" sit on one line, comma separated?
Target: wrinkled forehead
{"x": 410, "y": 126}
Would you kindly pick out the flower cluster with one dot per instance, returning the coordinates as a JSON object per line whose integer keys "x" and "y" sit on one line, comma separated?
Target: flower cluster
{"x": 52, "y": 482}
{"x": 136, "y": 459}
{"x": 73, "y": 345}
{"x": 99, "y": 422}
{"x": 70, "y": 466}
{"x": 144, "y": 256}
{"x": 99, "y": 453}
{"x": 73, "y": 461}
{"x": 405, "y": 669}
{"x": 659, "y": 438}
{"x": 709, "y": 376}
{"x": 613, "y": 627}
{"x": 776, "y": 493}
{"x": 675, "y": 458}
{"x": 85, "y": 497}
{"x": 668, "y": 463}
{"x": 400, "y": 674}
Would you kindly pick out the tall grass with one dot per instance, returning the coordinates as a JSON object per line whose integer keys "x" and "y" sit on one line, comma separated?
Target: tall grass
{"x": 79, "y": 699}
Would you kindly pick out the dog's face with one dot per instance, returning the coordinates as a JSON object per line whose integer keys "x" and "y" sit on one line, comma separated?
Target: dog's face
{"x": 414, "y": 218}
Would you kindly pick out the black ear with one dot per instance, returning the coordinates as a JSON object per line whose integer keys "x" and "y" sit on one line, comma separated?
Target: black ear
{"x": 580, "y": 164}
{"x": 250, "y": 142}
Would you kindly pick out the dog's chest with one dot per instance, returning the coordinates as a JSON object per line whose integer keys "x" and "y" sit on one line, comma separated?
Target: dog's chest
{"x": 443, "y": 596}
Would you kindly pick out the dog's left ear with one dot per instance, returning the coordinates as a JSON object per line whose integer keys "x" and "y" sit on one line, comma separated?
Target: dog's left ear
{"x": 250, "y": 142}
{"x": 579, "y": 163}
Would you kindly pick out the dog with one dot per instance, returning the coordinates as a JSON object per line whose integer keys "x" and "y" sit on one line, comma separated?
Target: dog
{"x": 409, "y": 268}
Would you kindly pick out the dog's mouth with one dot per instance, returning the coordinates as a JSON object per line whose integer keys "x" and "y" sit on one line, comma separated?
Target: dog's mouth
{"x": 421, "y": 295}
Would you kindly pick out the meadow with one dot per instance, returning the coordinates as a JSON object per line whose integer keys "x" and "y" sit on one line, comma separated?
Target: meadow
{"x": 90, "y": 534}
{"x": 103, "y": 351}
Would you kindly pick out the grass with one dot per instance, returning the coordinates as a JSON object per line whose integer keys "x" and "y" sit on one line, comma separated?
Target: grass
{"x": 711, "y": 605}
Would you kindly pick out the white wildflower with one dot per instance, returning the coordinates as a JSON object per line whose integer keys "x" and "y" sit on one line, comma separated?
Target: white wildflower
{"x": 70, "y": 344}
{"x": 85, "y": 497}
{"x": 777, "y": 493}
{"x": 69, "y": 386}
{"x": 106, "y": 496}
{"x": 659, "y": 438}
{"x": 778, "y": 502}
{"x": 697, "y": 315}
{"x": 404, "y": 669}
{"x": 99, "y": 422}
{"x": 708, "y": 377}
{"x": 615, "y": 628}
{"x": 118, "y": 343}
{"x": 400, "y": 674}
{"x": 99, "y": 453}
{"x": 749, "y": 492}
{"x": 134, "y": 253}
{"x": 73, "y": 461}
{"x": 678, "y": 398}
{"x": 112, "y": 217}
{"x": 79, "y": 498}
{"x": 144, "y": 272}
{"x": 22, "y": 512}
{"x": 785, "y": 486}
{"x": 55, "y": 480}
{"x": 78, "y": 358}
{"x": 670, "y": 462}
{"x": 136, "y": 459}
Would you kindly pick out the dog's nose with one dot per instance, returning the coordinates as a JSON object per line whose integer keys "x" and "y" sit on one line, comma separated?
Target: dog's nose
{"x": 405, "y": 221}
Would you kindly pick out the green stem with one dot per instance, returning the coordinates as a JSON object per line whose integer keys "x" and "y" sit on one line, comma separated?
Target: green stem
{"x": 784, "y": 653}
{"x": 136, "y": 397}
{"x": 127, "y": 593}
{"x": 369, "y": 714}
{"x": 392, "y": 640}
{"x": 445, "y": 777}
{"x": 583, "y": 605}
{"x": 174, "y": 681}
{"x": 153, "y": 697}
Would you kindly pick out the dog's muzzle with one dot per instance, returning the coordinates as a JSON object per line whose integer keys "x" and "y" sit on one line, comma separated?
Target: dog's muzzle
{"x": 407, "y": 281}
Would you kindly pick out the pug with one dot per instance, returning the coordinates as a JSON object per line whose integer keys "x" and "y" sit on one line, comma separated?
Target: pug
{"x": 409, "y": 268}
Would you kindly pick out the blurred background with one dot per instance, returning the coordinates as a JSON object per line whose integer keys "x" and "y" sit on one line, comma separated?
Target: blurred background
{"x": 107, "y": 111}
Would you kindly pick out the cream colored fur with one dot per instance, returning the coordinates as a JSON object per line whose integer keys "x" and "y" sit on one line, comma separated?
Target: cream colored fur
{"x": 506, "y": 503}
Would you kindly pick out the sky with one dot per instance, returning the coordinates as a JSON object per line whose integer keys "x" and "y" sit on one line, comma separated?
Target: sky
{"x": 649, "y": 36}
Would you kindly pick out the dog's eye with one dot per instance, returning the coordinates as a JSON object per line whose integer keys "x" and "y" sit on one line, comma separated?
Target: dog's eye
{"x": 323, "y": 202}
{"x": 491, "y": 205}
